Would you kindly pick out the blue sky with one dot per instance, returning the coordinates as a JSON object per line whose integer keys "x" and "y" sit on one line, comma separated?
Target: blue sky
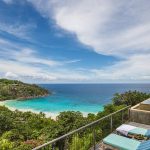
{"x": 70, "y": 41}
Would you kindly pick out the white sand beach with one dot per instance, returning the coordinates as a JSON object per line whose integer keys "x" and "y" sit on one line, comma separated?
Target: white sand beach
{"x": 47, "y": 114}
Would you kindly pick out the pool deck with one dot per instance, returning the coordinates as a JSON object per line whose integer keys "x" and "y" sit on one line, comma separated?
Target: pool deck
{"x": 99, "y": 145}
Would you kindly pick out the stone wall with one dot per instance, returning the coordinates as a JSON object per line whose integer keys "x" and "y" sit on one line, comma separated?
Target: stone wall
{"x": 139, "y": 115}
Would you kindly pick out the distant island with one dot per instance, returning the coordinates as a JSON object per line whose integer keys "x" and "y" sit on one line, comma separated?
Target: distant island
{"x": 14, "y": 89}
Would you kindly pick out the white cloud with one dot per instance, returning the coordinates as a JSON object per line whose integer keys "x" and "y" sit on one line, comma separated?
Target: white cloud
{"x": 18, "y": 62}
{"x": 111, "y": 27}
{"x": 22, "y": 54}
{"x": 8, "y": 1}
{"x": 10, "y": 75}
{"x": 27, "y": 55}
{"x": 24, "y": 72}
{"x": 133, "y": 69}
{"x": 16, "y": 27}
{"x": 19, "y": 30}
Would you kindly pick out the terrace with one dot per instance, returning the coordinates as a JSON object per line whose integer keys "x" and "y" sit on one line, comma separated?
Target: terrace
{"x": 90, "y": 136}
{"x": 141, "y": 112}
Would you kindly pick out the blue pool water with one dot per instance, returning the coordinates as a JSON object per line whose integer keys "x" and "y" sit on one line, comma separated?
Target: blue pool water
{"x": 87, "y": 98}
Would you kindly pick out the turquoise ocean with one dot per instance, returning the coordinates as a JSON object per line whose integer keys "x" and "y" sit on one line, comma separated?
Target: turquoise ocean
{"x": 87, "y": 98}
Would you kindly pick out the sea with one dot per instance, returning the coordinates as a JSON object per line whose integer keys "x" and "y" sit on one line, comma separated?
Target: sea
{"x": 86, "y": 98}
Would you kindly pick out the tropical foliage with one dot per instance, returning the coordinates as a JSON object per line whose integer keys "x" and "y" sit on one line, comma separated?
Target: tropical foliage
{"x": 130, "y": 98}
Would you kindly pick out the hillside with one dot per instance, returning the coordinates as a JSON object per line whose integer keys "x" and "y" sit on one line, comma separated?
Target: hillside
{"x": 13, "y": 89}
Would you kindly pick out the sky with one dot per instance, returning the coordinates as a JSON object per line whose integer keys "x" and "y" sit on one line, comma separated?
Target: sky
{"x": 75, "y": 41}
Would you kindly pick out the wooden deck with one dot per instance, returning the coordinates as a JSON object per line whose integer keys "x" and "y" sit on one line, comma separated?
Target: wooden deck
{"x": 99, "y": 145}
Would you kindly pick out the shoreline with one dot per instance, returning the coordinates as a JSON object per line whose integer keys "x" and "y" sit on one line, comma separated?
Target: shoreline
{"x": 47, "y": 114}
{"x": 25, "y": 98}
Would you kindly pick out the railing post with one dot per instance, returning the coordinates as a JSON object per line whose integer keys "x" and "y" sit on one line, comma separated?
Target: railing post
{"x": 53, "y": 146}
{"x": 129, "y": 113}
{"x": 60, "y": 146}
{"x": 94, "y": 139}
{"x": 66, "y": 143}
{"x": 122, "y": 115}
{"x": 111, "y": 123}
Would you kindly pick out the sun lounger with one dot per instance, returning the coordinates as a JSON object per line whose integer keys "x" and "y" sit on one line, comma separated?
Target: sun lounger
{"x": 132, "y": 130}
{"x": 118, "y": 142}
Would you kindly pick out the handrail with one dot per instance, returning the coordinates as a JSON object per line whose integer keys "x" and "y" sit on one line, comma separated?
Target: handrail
{"x": 81, "y": 128}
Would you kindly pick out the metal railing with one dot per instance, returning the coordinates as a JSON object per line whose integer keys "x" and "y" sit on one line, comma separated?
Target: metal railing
{"x": 88, "y": 136}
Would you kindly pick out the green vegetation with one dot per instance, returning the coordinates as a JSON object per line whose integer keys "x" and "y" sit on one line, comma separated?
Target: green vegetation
{"x": 13, "y": 89}
{"x": 130, "y": 98}
{"x": 23, "y": 131}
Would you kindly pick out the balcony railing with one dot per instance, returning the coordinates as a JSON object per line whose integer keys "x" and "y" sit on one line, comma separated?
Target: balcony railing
{"x": 88, "y": 136}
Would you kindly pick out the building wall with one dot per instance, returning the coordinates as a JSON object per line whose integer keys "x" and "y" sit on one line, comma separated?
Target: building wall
{"x": 137, "y": 114}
